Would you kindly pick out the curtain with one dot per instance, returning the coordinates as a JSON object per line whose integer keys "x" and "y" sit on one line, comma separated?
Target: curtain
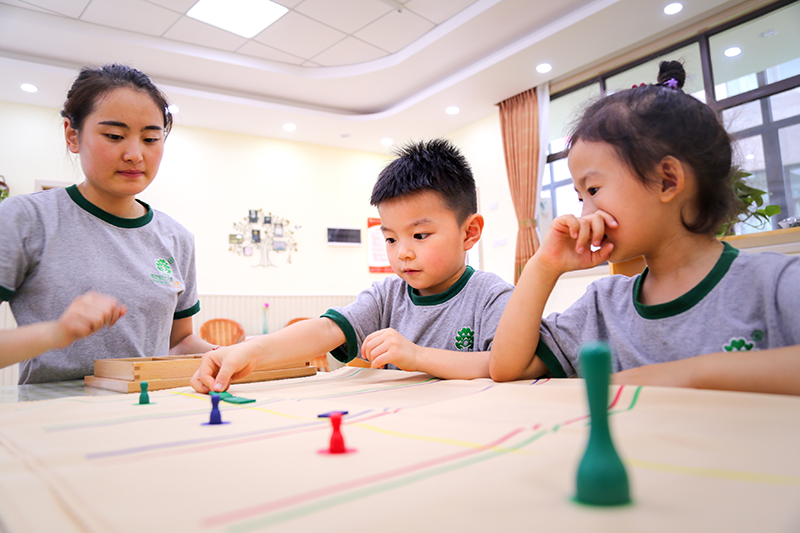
{"x": 519, "y": 122}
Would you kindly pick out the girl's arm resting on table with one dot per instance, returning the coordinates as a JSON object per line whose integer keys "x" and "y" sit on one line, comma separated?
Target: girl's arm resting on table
{"x": 87, "y": 314}
{"x": 513, "y": 354}
{"x": 299, "y": 342}
{"x": 775, "y": 371}
{"x": 566, "y": 247}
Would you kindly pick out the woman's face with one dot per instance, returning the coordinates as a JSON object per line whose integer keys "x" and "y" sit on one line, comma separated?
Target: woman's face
{"x": 120, "y": 143}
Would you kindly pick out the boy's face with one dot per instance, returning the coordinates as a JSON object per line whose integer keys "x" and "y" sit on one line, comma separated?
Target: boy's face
{"x": 425, "y": 244}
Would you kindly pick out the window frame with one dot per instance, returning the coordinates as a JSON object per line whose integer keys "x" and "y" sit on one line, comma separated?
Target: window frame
{"x": 776, "y": 181}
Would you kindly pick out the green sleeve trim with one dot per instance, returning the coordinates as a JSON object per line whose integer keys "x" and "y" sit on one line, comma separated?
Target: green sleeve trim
{"x": 193, "y": 310}
{"x": 5, "y": 294}
{"x": 550, "y": 360}
{"x": 349, "y": 350}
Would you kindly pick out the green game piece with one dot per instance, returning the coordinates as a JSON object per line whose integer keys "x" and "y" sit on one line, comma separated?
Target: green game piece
{"x": 144, "y": 398}
{"x": 602, "y": 479}
{"x": 226, "y": 396}
{"x": 237, "y": 399}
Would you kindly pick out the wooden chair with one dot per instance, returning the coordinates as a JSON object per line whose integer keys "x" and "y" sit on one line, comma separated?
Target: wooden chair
{"x": 222, "y": 331}
{"x": 320, "y": 361}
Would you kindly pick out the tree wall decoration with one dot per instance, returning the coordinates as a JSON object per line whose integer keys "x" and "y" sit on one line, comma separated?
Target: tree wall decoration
{"x": 263, "y": 235}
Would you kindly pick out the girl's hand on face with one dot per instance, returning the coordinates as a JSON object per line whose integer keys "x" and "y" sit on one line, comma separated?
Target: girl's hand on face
{"x": 569, "y": 241}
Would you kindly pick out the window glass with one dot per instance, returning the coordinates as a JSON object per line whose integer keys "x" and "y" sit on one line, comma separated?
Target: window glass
{"x": 567, "y": 201}
{"x": 768, "y": 46}
{"x": 565, "y": 109}
{"x": 790, "y": 157}
{"x": 742, "y": 117}
{"x": 786, "y": 104}
{"x": 648, "y": 72}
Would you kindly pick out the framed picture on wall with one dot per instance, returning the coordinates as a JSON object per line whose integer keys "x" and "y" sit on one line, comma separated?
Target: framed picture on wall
{"x": 235, "y": 238}
{"x": 247, "y": 251}
{"x": 268, "y": 220}
{"x": 256, "y": 235}
{"x": 278, "y": 230}
{"x": 253, "y": 215}
{"x": 279, "y": 246}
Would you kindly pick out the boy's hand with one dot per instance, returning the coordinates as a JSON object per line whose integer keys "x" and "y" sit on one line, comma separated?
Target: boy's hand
{"x": 567, "y": 245}
{"x": 220, "y": 366}
{"x": 87, "y": 314}
{"x": 387, "y": 346}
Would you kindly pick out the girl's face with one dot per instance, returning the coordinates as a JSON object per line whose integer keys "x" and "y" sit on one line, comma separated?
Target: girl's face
{"x": 121, "y": 144}
{"x": 604, "y": 182}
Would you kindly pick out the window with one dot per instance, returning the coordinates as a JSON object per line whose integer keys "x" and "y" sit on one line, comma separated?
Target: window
{"x": 756, "y": 92}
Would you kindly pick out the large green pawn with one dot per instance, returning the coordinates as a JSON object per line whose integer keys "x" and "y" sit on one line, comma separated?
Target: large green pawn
{"x": 602, "y": 479}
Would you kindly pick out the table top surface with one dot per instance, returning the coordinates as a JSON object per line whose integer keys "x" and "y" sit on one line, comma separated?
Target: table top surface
{"x": 431, "y": 455}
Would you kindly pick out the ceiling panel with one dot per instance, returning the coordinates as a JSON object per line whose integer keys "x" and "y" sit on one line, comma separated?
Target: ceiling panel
{"x": 349, "y": 51}
{"x": 438, "y": 11}
{"x": 298, "y": 35}
{"x": 131, "y": 15}
{"x": 395, "y": 30}
{"x": 252, "y": 48}
{"x": 348, "y": 16}
{"x": 71, "y": 8}
{"x": 189, "y": 30}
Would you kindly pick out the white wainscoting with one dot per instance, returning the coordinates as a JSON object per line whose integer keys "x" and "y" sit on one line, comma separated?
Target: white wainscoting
{"x": 247, "y": 310}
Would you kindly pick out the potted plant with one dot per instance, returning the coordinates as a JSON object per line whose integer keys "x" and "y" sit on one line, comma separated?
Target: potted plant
{"x": 749, "y": 205}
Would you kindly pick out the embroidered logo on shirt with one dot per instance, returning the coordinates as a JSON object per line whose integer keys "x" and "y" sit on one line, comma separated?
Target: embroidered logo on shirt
{"x": 165, "y": 267}
{"x": 738, "y": 345}
{"x": 465, "y": 339}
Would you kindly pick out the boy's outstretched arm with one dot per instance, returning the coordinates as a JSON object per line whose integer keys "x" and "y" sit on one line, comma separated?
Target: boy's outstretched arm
{"x": 566, "y": 247}
{"x": 301, "y": 341}
{"x": 775, "y": 371}
{"x": 87, "y": 314}
{"x": 387, "y": 346}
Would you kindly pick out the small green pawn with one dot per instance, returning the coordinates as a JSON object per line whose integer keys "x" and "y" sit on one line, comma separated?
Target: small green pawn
{"x": 144, "y": 398}
{"x": 602, "y": 479}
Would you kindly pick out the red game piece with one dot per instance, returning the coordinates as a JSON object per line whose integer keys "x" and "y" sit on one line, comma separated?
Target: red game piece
{"x": 337, "y": 441}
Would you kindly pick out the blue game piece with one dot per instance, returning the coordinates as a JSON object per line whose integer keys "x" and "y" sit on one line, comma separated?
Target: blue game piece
{"x": 216, "y": 417}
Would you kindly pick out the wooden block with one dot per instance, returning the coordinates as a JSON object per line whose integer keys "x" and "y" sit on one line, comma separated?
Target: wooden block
{"x": 121, "y": 385}
{"x": 163, "y": 367}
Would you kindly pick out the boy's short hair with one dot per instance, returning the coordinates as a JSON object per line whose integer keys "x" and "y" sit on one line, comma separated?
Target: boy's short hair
{"x": 435, "y": 165}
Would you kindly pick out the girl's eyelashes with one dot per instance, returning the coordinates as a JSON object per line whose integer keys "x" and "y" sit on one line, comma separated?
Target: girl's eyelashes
{"x": 592, "y": 190}
{"x": 114, "y": 136}
{"x": 420, "y": 236}
{"x": 389, "y": 240}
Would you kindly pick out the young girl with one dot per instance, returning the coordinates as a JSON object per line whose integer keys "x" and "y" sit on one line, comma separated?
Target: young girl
{"x": 652, "y": 167}
{"x": 75, "y": 260}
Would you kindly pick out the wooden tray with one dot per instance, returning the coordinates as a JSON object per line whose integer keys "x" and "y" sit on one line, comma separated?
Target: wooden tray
{"x": 167, "y": 372}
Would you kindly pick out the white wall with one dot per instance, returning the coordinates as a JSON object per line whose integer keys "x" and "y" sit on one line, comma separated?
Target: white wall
{"x": 208, "y": 180}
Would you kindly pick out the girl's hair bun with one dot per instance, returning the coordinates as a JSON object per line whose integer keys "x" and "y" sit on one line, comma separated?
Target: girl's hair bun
{"x": 668, "y": 70}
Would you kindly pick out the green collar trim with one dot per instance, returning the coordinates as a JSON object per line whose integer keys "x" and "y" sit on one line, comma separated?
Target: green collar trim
{"x": 114, "y": 220}
{"x": 436, "y": 299}
{"x": 685, "y": 302}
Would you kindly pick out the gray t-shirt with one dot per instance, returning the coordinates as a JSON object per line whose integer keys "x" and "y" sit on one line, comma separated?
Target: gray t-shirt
{"x": 55, "y": 245}
{"x": 463, "y": 318}
{"x": 748, "y": 301}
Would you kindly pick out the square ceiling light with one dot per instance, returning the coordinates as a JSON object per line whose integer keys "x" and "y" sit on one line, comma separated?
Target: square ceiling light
{"x": 247, "y": 18}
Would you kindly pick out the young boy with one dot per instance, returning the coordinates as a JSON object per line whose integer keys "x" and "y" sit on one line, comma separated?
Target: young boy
{"x": 436, "y": 316}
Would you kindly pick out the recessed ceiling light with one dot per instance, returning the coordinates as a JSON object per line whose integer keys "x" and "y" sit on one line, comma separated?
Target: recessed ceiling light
{"x": 29, "y": 88}
{"x": 289, "y": 127}
{"x": 344, "y": 135}
{"x": 733, "y": 51}
{"x": 452, "y": 110}
{"x": 544, "y": 68}
{"x": 769, "y": 33}
{"x": 172, "y": 108}
{"x": 673, "y": 8}
{"x": 247, "y": 18}
{"x": 750, "y": 156}
{"x": 387, "y": 141}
